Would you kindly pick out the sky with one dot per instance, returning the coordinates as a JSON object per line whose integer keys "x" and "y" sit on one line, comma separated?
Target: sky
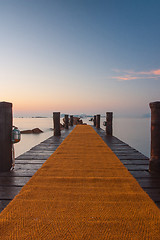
{"x": 80, "y": 56}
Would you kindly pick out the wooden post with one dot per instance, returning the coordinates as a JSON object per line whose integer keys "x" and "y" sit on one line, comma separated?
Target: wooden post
{"x": 109, "y": 117}
{"x": 71, "y": 120}
{"x": 66, "y": 121}
{"x": 154, "y": 163}
{"x": 5, "y": 136}
{"x": 94, "y": 120}
{"x": 56, "y": 123}
{"x": 98, "y": 121}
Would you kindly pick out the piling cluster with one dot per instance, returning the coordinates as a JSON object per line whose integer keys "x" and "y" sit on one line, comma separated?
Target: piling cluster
{"x": 67, "y": 121}
{"x": 107, "y": 123}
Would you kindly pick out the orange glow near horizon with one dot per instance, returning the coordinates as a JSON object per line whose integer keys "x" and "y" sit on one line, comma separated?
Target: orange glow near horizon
{"x": 64, "y": 106}
{"x": 75, "y": 107}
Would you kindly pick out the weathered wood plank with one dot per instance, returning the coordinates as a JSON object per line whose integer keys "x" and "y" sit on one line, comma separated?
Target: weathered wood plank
{"x": 140, "y": 174}
{"x": 136, "y": 167}
{"x": 131, "y": 157}
{"x": 135, "y": 162}
{"x": 13, "y": 181}
{"x": 33, "y": 157}
{"x": 3, "y": 204}
{"x": 149, "y": 183}
{"x": 18, "y": 173}
{"x": 153, "y": 193}
{"x": 8, "y": 193}
{"x": 28, "y": 166}
{"x": 19, "y": 161}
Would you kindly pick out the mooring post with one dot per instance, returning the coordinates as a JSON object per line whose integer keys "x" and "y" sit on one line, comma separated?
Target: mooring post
{"x": 94, "y": 120}
{"x": 56, "y": 123}
{"x": 71, "y": 120}
{"x": 5, "y": 136}
{"x": 98, "y": 121}
{"x": 154, "y": 163}
{"x": 109, "y": 117}
{"x": 66, "y": 121}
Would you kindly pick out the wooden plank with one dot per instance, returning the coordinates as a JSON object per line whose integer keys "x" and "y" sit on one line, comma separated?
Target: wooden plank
{"x": 131, "y": 157}
{"x": 29, "y": 161}
{"x": 28, "y": 166}
{"x": 8, "y": 193}
{"x": 39, "y": 151}
{"x": 3, "y": 204}
{"x": 140, "y": 174}
{"x": 33, "y": 157}
{"x": 153, "y": 193}
{"x": 149, "y": 183}
{"x": 136, "y": 167}
{"x": 13, "y": 181}
{"x": 18, "y": 173}
{"x": 135, "y": 162}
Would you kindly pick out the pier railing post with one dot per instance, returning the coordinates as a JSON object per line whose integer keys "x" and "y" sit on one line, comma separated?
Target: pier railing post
{"x": 56, "y": 122}
{"x": 98, "y": 121}
{"x": 109, "y": 117}
{"x": 5, "y": 136}
{"x": 94, "y": 120}
{"x": 66, "y": 121}
{"x": 71, "y": 120}
{"x": 154, "y": 163}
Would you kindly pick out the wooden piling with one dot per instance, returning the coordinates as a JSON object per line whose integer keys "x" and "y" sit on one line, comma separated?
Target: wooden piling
{"x": 154, "y": 163}
{"x": 94, "y": 120}
{"x": 56, "y": 122}
{"x": 5, "y": 136}
{"x": 109, "y": 117}
{"x": 66, "y": 121}
{"x": 71, "y": 120}
{"x": 98, "y": 121}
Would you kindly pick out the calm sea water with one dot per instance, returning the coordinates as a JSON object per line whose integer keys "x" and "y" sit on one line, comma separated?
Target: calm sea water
{"x": 133, "y": 131}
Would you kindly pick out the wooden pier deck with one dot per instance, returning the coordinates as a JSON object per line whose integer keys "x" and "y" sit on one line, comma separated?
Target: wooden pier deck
{"x": 82, "y": 191}
{"x": 26, "y": 165}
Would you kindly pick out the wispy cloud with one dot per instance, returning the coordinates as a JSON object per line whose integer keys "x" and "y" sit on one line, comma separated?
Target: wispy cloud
{"x": 127, "y": 75}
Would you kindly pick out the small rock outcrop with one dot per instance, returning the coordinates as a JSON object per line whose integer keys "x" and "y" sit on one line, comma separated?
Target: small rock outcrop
{"x": 35, "y": 130}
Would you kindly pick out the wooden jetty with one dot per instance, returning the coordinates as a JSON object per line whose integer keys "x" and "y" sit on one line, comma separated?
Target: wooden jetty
{"x": 82, "y": 191}
{"x": 86, "y": 189}
{"x": 28, "y": 163}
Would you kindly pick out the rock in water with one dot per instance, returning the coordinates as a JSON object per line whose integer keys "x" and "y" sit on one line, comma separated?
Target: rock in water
{"x": 35, "y": 130}
{"x": 26, "y": 131}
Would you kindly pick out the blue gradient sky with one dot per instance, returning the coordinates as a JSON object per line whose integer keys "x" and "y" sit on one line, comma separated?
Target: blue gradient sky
{"x": 80, "y": 56}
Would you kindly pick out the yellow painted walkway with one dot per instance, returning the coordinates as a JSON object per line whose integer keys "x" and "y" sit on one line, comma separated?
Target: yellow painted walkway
{"x": 83, "y": 191}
